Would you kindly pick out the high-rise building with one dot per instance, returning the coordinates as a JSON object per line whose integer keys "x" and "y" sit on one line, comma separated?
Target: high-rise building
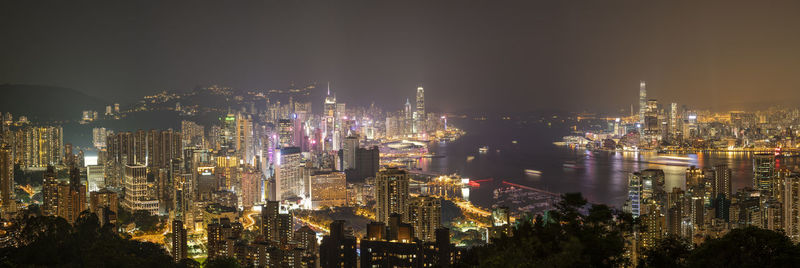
{"x": 307, "y": 240}
{"x": 179, "y": 241}
{"x": 251, "y": 188}
{"x": 391, "y": 193}
{"x": 50, "y": 192}
{"x": 425, "y": 214}
{"x": 39, "y": 146}
{"x": 269, "y": 220}
{"x": 791, "y": 206}
{"x": 192, "y": 134}
{"x": 721, "y": 186}
{"x": 136, "y": 190}
{"x": 338, "y": 249}
{"x": 289, "y": 174}
{"x": 104, "y": 203}
{"x": 763, "y": 172}
{"x": 71, "y": 197}
{"x": 285, "y": 133}
{"x": 99, "y": 137}
{"x": 349, "y": 151}
{"x": 328, "y": 189}
{"x": 7, "y": 181}
{"x": 642, "y": 101}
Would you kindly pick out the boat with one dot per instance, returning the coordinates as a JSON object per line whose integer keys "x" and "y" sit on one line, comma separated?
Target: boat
{"x": 483, "y": 149}
{"x": 470, "y": 158}
{"x": 514, "y": 142}
{"x": 533, "y": 172}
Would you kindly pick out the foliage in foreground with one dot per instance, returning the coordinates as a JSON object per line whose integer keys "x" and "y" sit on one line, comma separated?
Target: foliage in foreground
{"x": 47, "y": 241}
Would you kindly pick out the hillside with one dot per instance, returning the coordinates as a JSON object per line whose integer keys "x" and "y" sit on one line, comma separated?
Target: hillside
{"x": 44, "y": 103}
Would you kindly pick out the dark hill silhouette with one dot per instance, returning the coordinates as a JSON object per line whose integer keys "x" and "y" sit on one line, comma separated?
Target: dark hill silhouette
{"x": 42, "y": 103}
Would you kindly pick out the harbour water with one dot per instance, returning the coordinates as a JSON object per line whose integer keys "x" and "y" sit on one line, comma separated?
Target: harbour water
{"x": 600, "y": 176}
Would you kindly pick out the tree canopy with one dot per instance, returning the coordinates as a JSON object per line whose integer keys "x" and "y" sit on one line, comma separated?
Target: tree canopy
{"x": 52, "y": 242}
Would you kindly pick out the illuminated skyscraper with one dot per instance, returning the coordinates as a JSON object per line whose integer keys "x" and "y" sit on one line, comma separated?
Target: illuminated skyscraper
{"x": 71, "y": 197}
{"x": 391, "y": 193}
{"x": 419, "y": 114}
{"x": 642, "y": 101}
{"x": 50, "y": 192}
{"x": 425, "y": 214}
{"x": 135, "y": 188}
{"x": 763, "y": 172}
{"x": 7, "y": 180}
{"x": 179, "y": 245}
{"x": 791, "y": 207}
{"x": 289, "y": 174}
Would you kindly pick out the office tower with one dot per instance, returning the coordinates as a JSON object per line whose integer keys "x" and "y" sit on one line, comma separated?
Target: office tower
{"x": 337, "y": 248}
{"x": 425, "y": 214}
{"x": 722, "y": 182}
{"x": 95, "y": 177}
{"x": 140, "y": 148}
{"x": 634, "y": 202}
{"x": 349, "y": 152}
{"x": 289, "y": 174}
{"x": 791, "y": 207}
{"x": 136, "y": 192}
{"x": 50, "y": 192}
{"x": 227, "y": 134}
{"x": 420, "y": 112}
{"x": 642, "y": 100}
{"x": 71, "y": 197}
{"x": 673, "y": 119}
{"x": 328, "y": 189}
{"x": 408, "y": 121}
{"x": 179, "y": 243}
{"x": 7, "y": 181}
{"x": 329, "y": 118}
{"x": 391, "y": 193}
{"x": 763, "y": 172}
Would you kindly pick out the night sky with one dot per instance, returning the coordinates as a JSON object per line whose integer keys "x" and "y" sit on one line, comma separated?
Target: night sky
{"x": 493, "y": 56}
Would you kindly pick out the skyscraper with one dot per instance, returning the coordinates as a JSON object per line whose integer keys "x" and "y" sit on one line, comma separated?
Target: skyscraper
{"x": 50, "y": 192}
{"x": 71, "y": 197}
{"x": 763, "y": 172}
{"x": 178, "y": 241}
{"x": 791, "y": 207}
{"x": 642, "y": 101}
{"x": 338, "y": 249}
{"x": 135, "y": 188}
{"x": 721, "y": 186}
{"x": 7, "y": 180}
{"x": 425, "y": 214}
{"x": 289, "y": 174}
{"x": 391, "y": 193}
{"x": 420, "y": 112}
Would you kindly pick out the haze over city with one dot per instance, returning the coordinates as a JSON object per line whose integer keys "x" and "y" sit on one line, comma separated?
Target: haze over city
{"x": 473, "y": 56}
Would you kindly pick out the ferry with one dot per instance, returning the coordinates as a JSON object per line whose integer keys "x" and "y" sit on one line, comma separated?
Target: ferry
{"x": 483, "y": 149}
{"x": 514, "y": 142}
{"x": 470, "y": 158}
{"x": 533, "y": 172}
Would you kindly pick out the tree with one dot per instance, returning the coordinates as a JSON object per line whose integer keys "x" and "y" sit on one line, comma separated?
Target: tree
{"x": 223, "y": 262}
{"x": 671, "y": 251}
{"x": 145, "y": 221}
{"x": 567, "y": 237}
{"x": 747, "y": 247}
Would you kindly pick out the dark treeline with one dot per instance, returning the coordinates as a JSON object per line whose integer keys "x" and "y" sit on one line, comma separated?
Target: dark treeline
{"x": 567, "y": 237}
